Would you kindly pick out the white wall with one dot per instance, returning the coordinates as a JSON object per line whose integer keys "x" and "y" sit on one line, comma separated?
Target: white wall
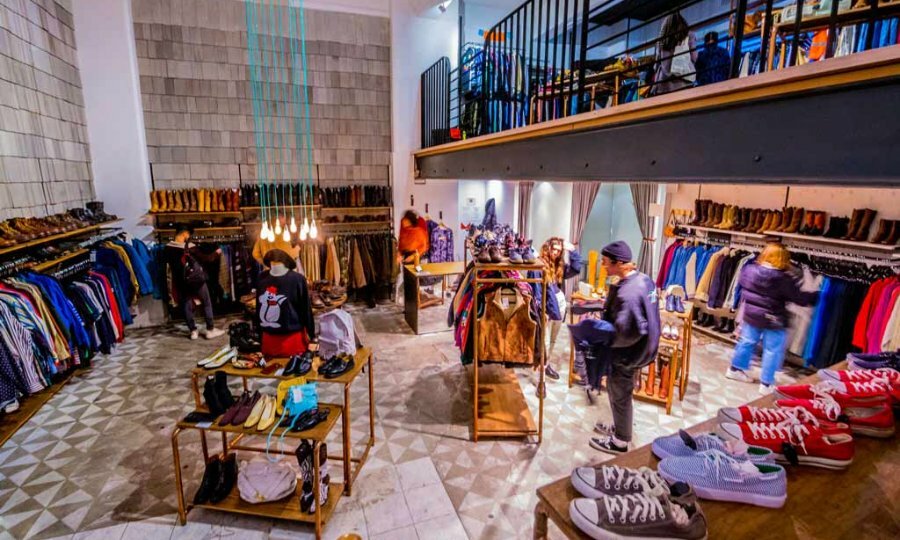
{"x": 551, "y": 210}
{"x": 115, "y": 119}
{"x": 838, "y": 201}
{"x": 419, "y": 37}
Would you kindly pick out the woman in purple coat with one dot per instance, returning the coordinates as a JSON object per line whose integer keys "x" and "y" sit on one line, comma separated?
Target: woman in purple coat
{"x": 766, "y": 288}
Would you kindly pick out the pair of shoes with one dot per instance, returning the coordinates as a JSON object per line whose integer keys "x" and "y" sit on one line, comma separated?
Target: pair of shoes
{"x": 310, "y": 419}
{"x": 608, "y": 445}
{"x": 298, "y": 365}
{"x": 860, "y": 361}
{"x": 674, "y": 304}
{"x": 738, "y": 375}
{"x": 262, "y": 415}
{"x": 238, "y": 413}
{"x": 634, "y": 503}
{"x": 795, "y": 442}
{"x": 551, "y": 373}
{"x": 336, "y": 366}
{"x": 241, "y": 336}
{"x": 213, "y": 333}
{"x": 218, "y": 358}
{"x": 219, "y": 479}
{"x": 671, "y": 331}
{"x": 217, "y": 395}
{"x": 868, "y": 419}
{"x": 848, "y": 393}
{"x": 682, "y": 444}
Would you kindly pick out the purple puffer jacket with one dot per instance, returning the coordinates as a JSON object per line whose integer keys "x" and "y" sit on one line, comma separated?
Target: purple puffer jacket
{"x": 766, "y": 293}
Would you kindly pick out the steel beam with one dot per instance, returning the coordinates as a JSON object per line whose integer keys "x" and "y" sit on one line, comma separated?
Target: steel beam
{"x": 846, "y": 136}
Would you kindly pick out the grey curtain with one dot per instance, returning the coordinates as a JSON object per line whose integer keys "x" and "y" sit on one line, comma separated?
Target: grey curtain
{"x": 644, "y": 194}
{"x": 525, "y": 190}
{"x": 583, "y": 196}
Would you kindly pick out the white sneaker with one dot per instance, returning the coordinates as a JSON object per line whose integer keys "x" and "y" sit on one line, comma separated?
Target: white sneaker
{"x": 195, "y": 334}
{"x": 11, "y": 407}
{"x": 214, "y": 333}
{"x": 738, "y": 375}
{"x": 766, "y": 389}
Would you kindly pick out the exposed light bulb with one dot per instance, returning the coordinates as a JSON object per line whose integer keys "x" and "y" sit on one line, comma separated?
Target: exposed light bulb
{"x": 305, "y": 228}
{"x": 264, "y": 233}
{"x": 286, "y": 236}
{"x": 271, "y": 236}
{"x": 293, "y": 225}
{"x": 302, "y": 234}
{"x": 313, "y": 230}
{"x": 277, "y": 226}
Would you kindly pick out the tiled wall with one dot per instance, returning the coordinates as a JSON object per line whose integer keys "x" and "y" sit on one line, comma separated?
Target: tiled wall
{"x": 195, "y": 83}
{"x": 44, "y": 157}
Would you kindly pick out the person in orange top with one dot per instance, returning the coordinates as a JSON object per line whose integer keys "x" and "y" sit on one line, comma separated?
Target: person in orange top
{"x": 413, "y": 240}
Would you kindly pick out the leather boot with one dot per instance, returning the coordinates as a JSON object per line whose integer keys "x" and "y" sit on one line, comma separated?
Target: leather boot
{"x": 194, "y": 200}
{"x": 819, "y": 219}
{"x": 154, "y": 202}
{"x": 664, "y": 382}
{"x": 837, "y": 227}
{"x": 788, "y": 218}
{"x": 710, "y": 214}
{"x": 796, "y": 221}
{"x": 185, "y": 200}
{"x": 745, "y": 219}
{"x": 162, "y": 203}
{"x": 210, "y": 479}
{"x": 204, "y": 200}
{"x": 884, "y": 230}
{"x": 751, "y": 220}
{"x": 170, "y": 201}
{"x": 865, "y": 223}
{"x": 718, "y": 215}
{"x": 235, "y": 200}
{"x": 855, "y": 220}
{"x": 763, "y": 214}
{"x": 808, "y": 222}
{"x": 777, "y": 218}
{"x": 227, "y": 479}
{"x": 767, "y": 221}
{"x": 894, "y": 235}
{"x": 651, "y": 379}
{"x": 698, "y": 208}
{"x": 728, "y": 218}
{"x": 179, "y": 206}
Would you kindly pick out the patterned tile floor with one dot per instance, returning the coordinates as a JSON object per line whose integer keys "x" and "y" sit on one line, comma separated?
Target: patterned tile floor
{"x": 96, "y": 461}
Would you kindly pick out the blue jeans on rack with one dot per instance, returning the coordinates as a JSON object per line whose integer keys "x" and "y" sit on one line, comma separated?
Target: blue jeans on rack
{"x": 773, "y": 342}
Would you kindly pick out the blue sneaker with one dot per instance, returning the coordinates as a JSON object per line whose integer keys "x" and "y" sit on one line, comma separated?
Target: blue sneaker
{"x": 717, "y": 476}
{"x": 874, "y": 361}
{"x": 683, "y": 444}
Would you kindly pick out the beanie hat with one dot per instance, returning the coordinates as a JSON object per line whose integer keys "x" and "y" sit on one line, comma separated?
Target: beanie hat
{"x": 617, "y": 251}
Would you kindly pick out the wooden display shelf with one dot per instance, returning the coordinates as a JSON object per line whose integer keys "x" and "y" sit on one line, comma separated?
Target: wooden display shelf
{"x": 280, "y": 207}
{"x": 838, "y": 242}
{"x": 359, "y": 361}
{"x": 864, "y": 506}
{"x": 318, "y": 433}
{"x": 361, "y": 209}
{"x": 229, "y": 213}
{"x": 640, "y": 394}
{"x": 729, "y": 232}
{"x": 355, "y": 224}
{"x": 502, "y": 409}
{"x": 55, "y": 237}
{"x": 40, "y": 267}
{"x": 200, "y": 229}
{"x": 287, "y": 508}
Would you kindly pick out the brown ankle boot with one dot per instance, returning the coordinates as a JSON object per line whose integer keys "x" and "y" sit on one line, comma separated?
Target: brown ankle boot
{"x": 163, "y": 200}
{"x": 855, "y": 219}
{"x": 767, "y": 222}
{"x": 795, "y": 222}
{"x": 894, "y": 235}
{"x": 819, "y": 219}
{"x": 777, "y": 218}
{"x": 788, "y": 218}
{"x": 884, "y": 230}
{"x": 664, "y": 382}
{"x": 865, "y": 223}
{"x": 809, "y": 221}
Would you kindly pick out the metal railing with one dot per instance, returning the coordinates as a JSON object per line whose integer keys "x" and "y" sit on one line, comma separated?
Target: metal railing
{"x": 550, "y": 59}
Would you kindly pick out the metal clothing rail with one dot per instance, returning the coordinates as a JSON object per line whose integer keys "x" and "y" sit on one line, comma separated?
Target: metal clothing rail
{"x": 491, "y": 416}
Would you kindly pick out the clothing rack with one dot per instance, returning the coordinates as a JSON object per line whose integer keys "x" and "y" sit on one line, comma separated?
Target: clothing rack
{"x": 74, "y": 269}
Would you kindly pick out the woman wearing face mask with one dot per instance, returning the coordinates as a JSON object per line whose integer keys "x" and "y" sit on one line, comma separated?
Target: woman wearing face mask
{"x": 556, "y": 272}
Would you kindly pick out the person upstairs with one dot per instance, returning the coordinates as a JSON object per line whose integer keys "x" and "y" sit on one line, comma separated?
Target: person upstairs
{"x": 283, "y": 307}
{"x": 713, "y": 62}
{"x": 189, "y": 286}
{"x": 767, "y": 286}
{"x": 632, "y": 307}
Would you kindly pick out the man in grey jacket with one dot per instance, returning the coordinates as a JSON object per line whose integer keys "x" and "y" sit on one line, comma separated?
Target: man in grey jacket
{"x": 633, "y": 308}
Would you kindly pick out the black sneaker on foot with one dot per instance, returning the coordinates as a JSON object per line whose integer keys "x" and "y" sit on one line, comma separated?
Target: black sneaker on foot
{"x": 606, "y": 444}
{"x": 550, "y": 372}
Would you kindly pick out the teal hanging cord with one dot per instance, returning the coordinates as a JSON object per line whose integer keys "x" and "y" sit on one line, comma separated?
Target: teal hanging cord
{"x": 303, "y": 57}
{"x": 295, "y": 104}
{"x": 255, "y": 93}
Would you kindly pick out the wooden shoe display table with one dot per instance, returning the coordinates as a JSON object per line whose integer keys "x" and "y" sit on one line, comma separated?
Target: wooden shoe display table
{"x": 679, "y": 353}
{"x": 859, "y": 502}
{"x": 288, "y": 508}
{"x": 412, "y": 293}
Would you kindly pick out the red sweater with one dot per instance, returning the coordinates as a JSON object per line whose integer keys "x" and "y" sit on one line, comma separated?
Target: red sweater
{"x": 413, "y": 237}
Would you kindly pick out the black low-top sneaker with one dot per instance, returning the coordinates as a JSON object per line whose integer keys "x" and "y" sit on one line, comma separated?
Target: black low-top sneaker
{"x": 606, "y": 444}
{"x": 550, "y": 372}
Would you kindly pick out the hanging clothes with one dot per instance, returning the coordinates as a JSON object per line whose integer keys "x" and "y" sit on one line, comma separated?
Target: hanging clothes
{"x": 440, "y": 242}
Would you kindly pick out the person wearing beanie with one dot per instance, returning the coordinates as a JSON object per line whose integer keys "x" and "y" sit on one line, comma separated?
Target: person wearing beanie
{"x": 632, "y": 307}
